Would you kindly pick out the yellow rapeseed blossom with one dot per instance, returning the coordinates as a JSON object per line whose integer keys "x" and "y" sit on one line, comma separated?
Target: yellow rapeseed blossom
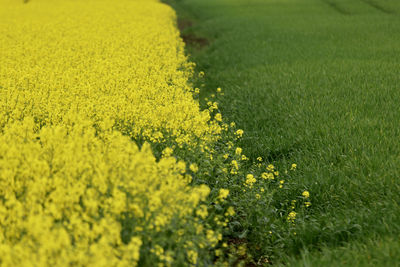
{"x": 241, "y": 250}
{"x": 167, "y": 152}
{"x": 250, "y": 180}
{"x": 119, "y": 63}
{"x": 292, "y": 216}
{"x": 192, "y": 255}
{"x": 235, "y": 167}
{"x": 193, "y": 167}
{"x": 267, "y": 175}
{"x": 202, "y": 211}
{"x": 212, "y": 237}
{"x": 218, "y": 117}
{"x": 223, "y": 194}
{"x": 230, "y": 211}
{"x": 239, "y": 133}
{"x": 64, "y": 192}
{"x": 306, "y": 194}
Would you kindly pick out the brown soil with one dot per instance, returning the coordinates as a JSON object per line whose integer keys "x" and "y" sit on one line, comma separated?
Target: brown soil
{"x": 191, "y": 39}
{"x": 184, "y": 24}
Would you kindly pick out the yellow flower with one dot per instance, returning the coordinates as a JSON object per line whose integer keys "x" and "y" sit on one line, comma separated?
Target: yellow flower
{"x": 192, "y": 256}
{"x": 250, "y": 180}
{"x": 266, "y": 175}
{"x": 306, "y": 194}
{"x": 235, "y": 164}
{"x": 181, "y": 232}
{"x": 242, "y": 249}
{"x": 238, "y": 151}
{"x": 292, "y": 216}
{"x": 239, "y": 133}
{"x": 202, "y": 211}
{"x": 167, "y": 152}
{"x": 193, "y": 167}
{"x": 223, "y": 194}
{"x": 230, "y": 211}
{"x": 218, "y": 117}
{"x": 212, "y": 238}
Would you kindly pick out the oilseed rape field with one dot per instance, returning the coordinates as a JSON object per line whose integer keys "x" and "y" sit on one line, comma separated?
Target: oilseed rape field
{"x": 106, "y": 158}
{"x": 79, "y": 80}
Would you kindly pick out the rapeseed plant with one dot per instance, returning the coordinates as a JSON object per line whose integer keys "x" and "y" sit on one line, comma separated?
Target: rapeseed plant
{"x": 70, "y": 197}
{"x": 119, "y": 63}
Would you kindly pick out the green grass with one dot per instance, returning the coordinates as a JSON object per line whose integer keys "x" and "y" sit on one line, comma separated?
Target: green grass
{"x": 384, "y": 252}
{"x": 315, "y": 82}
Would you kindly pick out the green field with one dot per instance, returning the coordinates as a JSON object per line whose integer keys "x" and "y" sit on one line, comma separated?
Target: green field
{"x": 315, "y": 82}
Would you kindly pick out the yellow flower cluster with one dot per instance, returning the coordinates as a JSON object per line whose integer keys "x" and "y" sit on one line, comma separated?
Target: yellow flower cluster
{"x": 119, "y": 63}
{"x": 250, "y": 180}
{"x": 78, "y": 81}
{"x": 223, "y": 194}
{"x": 65, "y": 192}
{"x": 292, "y": 216}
